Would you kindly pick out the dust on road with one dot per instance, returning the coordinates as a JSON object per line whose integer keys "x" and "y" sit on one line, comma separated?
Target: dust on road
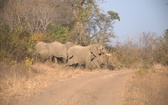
{"x": 97, "y": 88}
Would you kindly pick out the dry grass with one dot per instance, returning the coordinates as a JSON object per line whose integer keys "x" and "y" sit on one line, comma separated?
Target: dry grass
{"x": 148, "y": 87}
{"x": 18, "y": 82}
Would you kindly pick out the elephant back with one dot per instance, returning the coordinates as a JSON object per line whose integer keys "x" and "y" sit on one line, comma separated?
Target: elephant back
{"x": 57, "y": 49}
{"x": 69, "y": 44}
{"x": 77, "y": 50}
{"x": 40, "y": 46}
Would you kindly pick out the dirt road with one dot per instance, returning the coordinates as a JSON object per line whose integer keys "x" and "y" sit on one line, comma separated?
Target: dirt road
{"x": 97, "y": 88}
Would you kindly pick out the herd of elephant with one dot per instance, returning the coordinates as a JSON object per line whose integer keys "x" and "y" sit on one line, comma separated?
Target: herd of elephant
{"x": 70, "y": 54}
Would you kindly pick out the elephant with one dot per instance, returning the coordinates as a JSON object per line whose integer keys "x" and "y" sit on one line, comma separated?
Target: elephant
{"x": 78, "y": 55}
{"x": 41, "y": 50}
{"x": 54, "y": 50}
{"x": 68, "y": 45}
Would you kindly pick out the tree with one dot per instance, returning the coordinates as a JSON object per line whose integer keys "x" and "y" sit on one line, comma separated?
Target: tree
{"x": 35, "y": 15}
{"x": 80, "y": 16}
{"x": 90, "y": 25}
{"x": 114, "y": 15}
{"x": 101, "y": 26}
{"x": 148, "y": 44}
{"x": 161, "y": 54}
{"x": 79, "y": 21}
{"x": 81, "y": 11}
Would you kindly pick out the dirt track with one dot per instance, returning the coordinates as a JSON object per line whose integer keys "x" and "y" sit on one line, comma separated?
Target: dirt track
{"x": 97, "y": 88}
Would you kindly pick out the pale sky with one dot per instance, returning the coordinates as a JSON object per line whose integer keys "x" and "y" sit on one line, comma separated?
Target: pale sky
{"x": 137, "y": 16}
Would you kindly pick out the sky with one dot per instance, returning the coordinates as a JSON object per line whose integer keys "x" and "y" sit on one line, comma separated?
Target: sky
{"x": 137, "y": 16}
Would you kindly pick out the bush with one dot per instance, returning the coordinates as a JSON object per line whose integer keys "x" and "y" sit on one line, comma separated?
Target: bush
{"x": 161, "y": 55}
{"x": 37, "y": 37}
{"x": 18, "y": 44}
{"x": 127, "y": 59}
{"x": 15, "y": 44}
{"x": 56, "y": 32}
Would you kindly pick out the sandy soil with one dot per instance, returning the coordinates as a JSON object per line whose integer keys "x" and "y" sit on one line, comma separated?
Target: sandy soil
{"x": 96, "y": 88}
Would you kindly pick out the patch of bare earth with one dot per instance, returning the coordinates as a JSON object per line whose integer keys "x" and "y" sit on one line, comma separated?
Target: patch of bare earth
{"x": 18, "y": 82}
{"x": 148, "y": 87}
{"x": 96, "y": 88}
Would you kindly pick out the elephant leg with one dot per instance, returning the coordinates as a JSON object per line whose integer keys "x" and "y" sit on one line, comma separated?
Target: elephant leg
{"x": 96, "y": 62}
{"x": 64, "y": 60}
{"x": 71, "y": 62}
{"x": 59, "y": 60}
{"x": 43, "y": 60}
{"x": 88, "y": 64}
{"x": 54, "y": 59}
{"x": 51, "y": 58}
{"x": 106, "y": 61}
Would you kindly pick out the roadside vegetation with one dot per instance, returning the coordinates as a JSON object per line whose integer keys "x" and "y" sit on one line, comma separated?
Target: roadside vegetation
{"x": 26, "y": 22}
{"x": 19, "y": 82}
{"x": 147, "y": 87}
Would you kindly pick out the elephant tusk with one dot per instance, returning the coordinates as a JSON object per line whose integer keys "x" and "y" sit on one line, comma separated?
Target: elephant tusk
{"x": 108, "y": 54}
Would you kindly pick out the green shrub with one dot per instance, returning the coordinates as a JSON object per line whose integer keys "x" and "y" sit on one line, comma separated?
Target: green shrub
{"x": 56, "y": 32}
{"x": 15, "y": 44}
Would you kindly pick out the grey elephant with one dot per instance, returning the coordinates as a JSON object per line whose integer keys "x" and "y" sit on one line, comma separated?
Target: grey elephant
{"x": 41, "y": 50}
{"x": 54, "y": 50}
{"x": 78, "y": 55}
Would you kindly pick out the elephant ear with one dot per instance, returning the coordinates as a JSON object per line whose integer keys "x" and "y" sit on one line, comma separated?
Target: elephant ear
{"x": 94, "y": 51}
{"x": 100, "y": 48}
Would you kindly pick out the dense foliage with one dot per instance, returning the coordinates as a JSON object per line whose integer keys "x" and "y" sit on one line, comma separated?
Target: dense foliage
{"x": 25, "y": 22}
{"x": 148, "y": 50}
